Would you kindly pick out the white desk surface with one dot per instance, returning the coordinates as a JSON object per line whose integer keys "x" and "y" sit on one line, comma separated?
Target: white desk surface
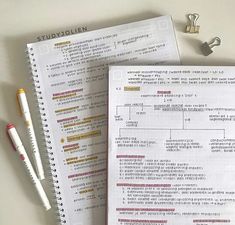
{"x": 23, "y": 21}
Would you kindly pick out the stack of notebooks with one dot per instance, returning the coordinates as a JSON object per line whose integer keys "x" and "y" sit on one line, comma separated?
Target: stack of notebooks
{"x": 130, "y": 142}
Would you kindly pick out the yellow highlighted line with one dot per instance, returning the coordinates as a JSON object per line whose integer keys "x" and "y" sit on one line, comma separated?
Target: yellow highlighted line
{"x": 85, "y": 191}
{"x": 62, "y": 43}
{"x": 66, "y": 109}
{"x": 95, "y": 117}
{"x": 70, "y": 149}
{"x": 84, "y": 135}
{"x": 131, "y": 88}
{"x": 82, "y": 160}
{"x": 64, "y": 96}
{"x": 78, "y": 123}
{"x": 73, "y": 158}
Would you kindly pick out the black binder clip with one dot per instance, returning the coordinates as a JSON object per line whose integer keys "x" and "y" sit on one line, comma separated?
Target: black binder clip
{"x": 192, "y": 27}
{"x": 207, "y": 47}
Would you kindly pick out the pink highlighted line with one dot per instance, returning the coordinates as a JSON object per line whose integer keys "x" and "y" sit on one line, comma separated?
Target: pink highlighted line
{"x": 70, "y": 146}
{"x": 147, "y": 209}
{"x": 142, "y": 221}
{"x": 130, "y": 156}
{"x": 211, "y": 221}
{"x": 67, "y": 119}
{"x": 67, "y": 92}
{"x": 142, "y": 185}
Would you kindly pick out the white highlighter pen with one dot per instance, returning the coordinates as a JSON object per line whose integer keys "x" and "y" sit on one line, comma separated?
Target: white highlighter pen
{"x": 15, "y": 139}
{"x": 33, "y": 142}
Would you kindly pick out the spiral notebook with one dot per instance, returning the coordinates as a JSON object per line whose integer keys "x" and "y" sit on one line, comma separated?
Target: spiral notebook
{"x": 70, "y": 80}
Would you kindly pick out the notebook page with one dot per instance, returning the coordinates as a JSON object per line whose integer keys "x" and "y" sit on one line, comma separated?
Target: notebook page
{"x": 71, "y": 77}
{"x": 171, "y": 145}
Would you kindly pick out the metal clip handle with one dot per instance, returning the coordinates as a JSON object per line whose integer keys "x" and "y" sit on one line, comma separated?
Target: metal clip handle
{"x": 193, "y": 17}
{"x": 214, "y": 42}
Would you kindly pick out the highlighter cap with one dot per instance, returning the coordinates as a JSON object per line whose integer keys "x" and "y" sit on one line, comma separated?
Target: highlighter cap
{"x": 20, "y": 91}
{"x": 23, "y": 104}
{"x": 9, "y": 126}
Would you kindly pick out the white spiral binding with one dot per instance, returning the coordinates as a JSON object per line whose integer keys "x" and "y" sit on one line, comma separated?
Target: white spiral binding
{"x": 51, "y": 167}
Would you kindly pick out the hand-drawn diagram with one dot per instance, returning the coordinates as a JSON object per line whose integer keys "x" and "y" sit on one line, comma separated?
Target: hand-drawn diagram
{"x": 133, "y": 112}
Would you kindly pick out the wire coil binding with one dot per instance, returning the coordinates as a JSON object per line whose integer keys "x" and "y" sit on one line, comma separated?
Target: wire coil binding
{"x": 45, "y": 134}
